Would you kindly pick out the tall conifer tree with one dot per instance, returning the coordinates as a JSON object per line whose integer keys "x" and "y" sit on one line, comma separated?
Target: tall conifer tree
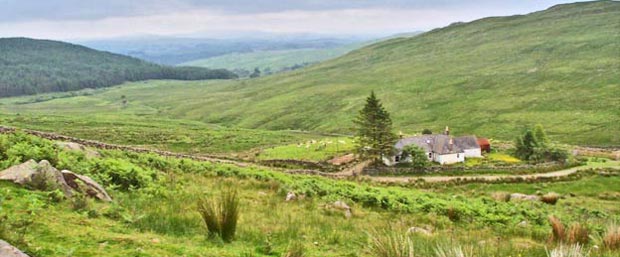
{"x": 374, "y": 131}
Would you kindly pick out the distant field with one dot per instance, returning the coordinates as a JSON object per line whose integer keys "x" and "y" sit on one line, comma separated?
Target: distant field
{"x": 311, "y": 150}
{"x": 158, "y": 133}
{"x": 272, "y": 60}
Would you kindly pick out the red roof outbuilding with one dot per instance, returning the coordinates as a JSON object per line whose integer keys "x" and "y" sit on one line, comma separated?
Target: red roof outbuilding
{"x": 485, "y": 144}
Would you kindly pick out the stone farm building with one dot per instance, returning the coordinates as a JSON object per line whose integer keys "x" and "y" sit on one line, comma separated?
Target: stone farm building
{"x": 440, "y": 148}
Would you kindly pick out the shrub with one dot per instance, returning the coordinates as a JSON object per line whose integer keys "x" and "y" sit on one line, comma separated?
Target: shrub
{"x": 221, "y": 216}
{"x": 578, "y": 234}
{"x": 123, "y": 173}
{"x": 390, "y": 244}
{"x": 557, "y": 229}
{"x": 416, "y": 156}
{"x": 79, "y": 202}
{"x": 550, "y": 198}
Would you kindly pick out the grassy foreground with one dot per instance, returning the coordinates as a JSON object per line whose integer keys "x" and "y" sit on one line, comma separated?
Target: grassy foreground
{"x": 154, "y": 211}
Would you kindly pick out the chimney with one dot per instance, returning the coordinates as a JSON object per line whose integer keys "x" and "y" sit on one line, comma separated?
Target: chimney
{"x": 451, "y": 142}
{"x": 447, "y": 131}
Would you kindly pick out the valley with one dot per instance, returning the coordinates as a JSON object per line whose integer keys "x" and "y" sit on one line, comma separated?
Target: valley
{"x": 493, "y": 137}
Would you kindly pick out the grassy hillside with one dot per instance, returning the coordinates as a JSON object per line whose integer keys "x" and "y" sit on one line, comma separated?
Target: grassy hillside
{"x": 272, "y": 61}
{"x": 29, "y": 66}
{"x": 158, "y": 214}
{"x": 492, "y": 77}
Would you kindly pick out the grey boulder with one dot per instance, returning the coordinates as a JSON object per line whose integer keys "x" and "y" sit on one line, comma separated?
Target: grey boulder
{"x": 7, "y": 250}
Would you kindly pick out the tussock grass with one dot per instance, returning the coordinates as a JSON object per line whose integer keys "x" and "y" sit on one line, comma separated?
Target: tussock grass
{"x": 390, "y": 244}
{"x": 221, "y": 215}
{"x": 578, "y": 234}
{"x": 575, "y": 250}
{"x": 611, "y": 238}
{"x": 558, "y": 232}
{"x": 453, "y": 251}
{"x": 550, "y": 198}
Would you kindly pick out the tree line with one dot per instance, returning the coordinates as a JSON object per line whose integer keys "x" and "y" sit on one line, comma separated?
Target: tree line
{"x": 30, "y": 66}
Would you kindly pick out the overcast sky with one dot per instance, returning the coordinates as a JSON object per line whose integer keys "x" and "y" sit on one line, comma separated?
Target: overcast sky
{"x": 88, "y": 19}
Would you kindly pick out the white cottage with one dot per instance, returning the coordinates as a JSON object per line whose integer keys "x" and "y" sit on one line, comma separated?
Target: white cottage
{"x": 470, "y": 146}
{"x": 442, "y": 148}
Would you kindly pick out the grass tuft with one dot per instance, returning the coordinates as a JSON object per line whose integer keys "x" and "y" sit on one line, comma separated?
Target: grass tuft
{"x": 390, "y": 244}
{"x": 578, "y": 234}
{"x": 611, "y": 238}
{"x": 221, "y": 216}
{"x": 557, "y": 229}
{"x": 550, "y": 198}
{"x": 575, "y": 250}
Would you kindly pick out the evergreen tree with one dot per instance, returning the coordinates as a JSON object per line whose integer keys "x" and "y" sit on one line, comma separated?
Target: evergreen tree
{"x": 525, "y": 145}
{"x": 374, "y": 131}
{"x": 541, "y": 136}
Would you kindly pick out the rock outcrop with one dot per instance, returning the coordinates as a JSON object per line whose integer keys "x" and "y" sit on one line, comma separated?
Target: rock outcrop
{"x": 86, "y": 185}
{"x": 90, "y": 153}
{"x": 523, "y": 197}
{"x": 290, "y": 196}
{"x": 340, "y": 205}
{"x": 43, "y": 176}
{"x": 7, "y": 250}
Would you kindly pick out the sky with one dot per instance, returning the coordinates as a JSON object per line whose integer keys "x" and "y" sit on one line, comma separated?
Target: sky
{"x": 97, "y": 19}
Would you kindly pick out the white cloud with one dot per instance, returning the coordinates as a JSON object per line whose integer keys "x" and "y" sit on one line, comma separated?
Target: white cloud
{"x": 345, "y": 21}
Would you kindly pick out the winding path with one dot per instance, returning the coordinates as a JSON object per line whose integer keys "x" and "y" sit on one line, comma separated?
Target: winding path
{"x": 439, "y": 179}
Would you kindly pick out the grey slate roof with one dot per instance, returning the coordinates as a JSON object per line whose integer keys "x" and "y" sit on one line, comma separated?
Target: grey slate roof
{"x": 430, "y": 143}
{"x": 467, "y": 142}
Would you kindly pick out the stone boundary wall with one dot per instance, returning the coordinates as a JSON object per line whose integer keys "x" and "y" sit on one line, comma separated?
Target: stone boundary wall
{"x": 106, "y": 146}
{"x": 544, "y": 167}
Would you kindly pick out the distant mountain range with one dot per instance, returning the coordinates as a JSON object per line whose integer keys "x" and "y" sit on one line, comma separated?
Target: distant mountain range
{"x": 273, "y": 61}
{"x": 173, "y": 51}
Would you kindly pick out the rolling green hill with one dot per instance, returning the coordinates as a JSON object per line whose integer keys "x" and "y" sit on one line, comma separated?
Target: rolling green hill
{"x": 559, "y": 67}
{"x": 272, "y": 61}
{"x": 29, "y": 66}
{"x": 492, "y": 77}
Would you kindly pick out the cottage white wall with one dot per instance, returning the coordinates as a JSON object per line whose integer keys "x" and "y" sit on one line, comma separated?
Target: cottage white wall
{"x": 389, "y": 161}
{"x": 473, "y": 153}
{"x": 449, "y": 158}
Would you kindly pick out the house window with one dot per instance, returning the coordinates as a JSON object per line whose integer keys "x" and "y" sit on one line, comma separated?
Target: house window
{"x": 397, "y": 158}
{"x": 457, "y": 156}
{"x": 430, "y": 155}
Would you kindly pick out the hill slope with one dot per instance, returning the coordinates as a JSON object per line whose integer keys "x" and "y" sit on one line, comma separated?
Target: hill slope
{"x": 559, "y": 67}
{"x": 272, "y": 61}
{"x": 29, "y": 66}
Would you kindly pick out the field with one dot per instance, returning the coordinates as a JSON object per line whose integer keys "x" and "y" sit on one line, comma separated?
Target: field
{"x": 158, "y": 217}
